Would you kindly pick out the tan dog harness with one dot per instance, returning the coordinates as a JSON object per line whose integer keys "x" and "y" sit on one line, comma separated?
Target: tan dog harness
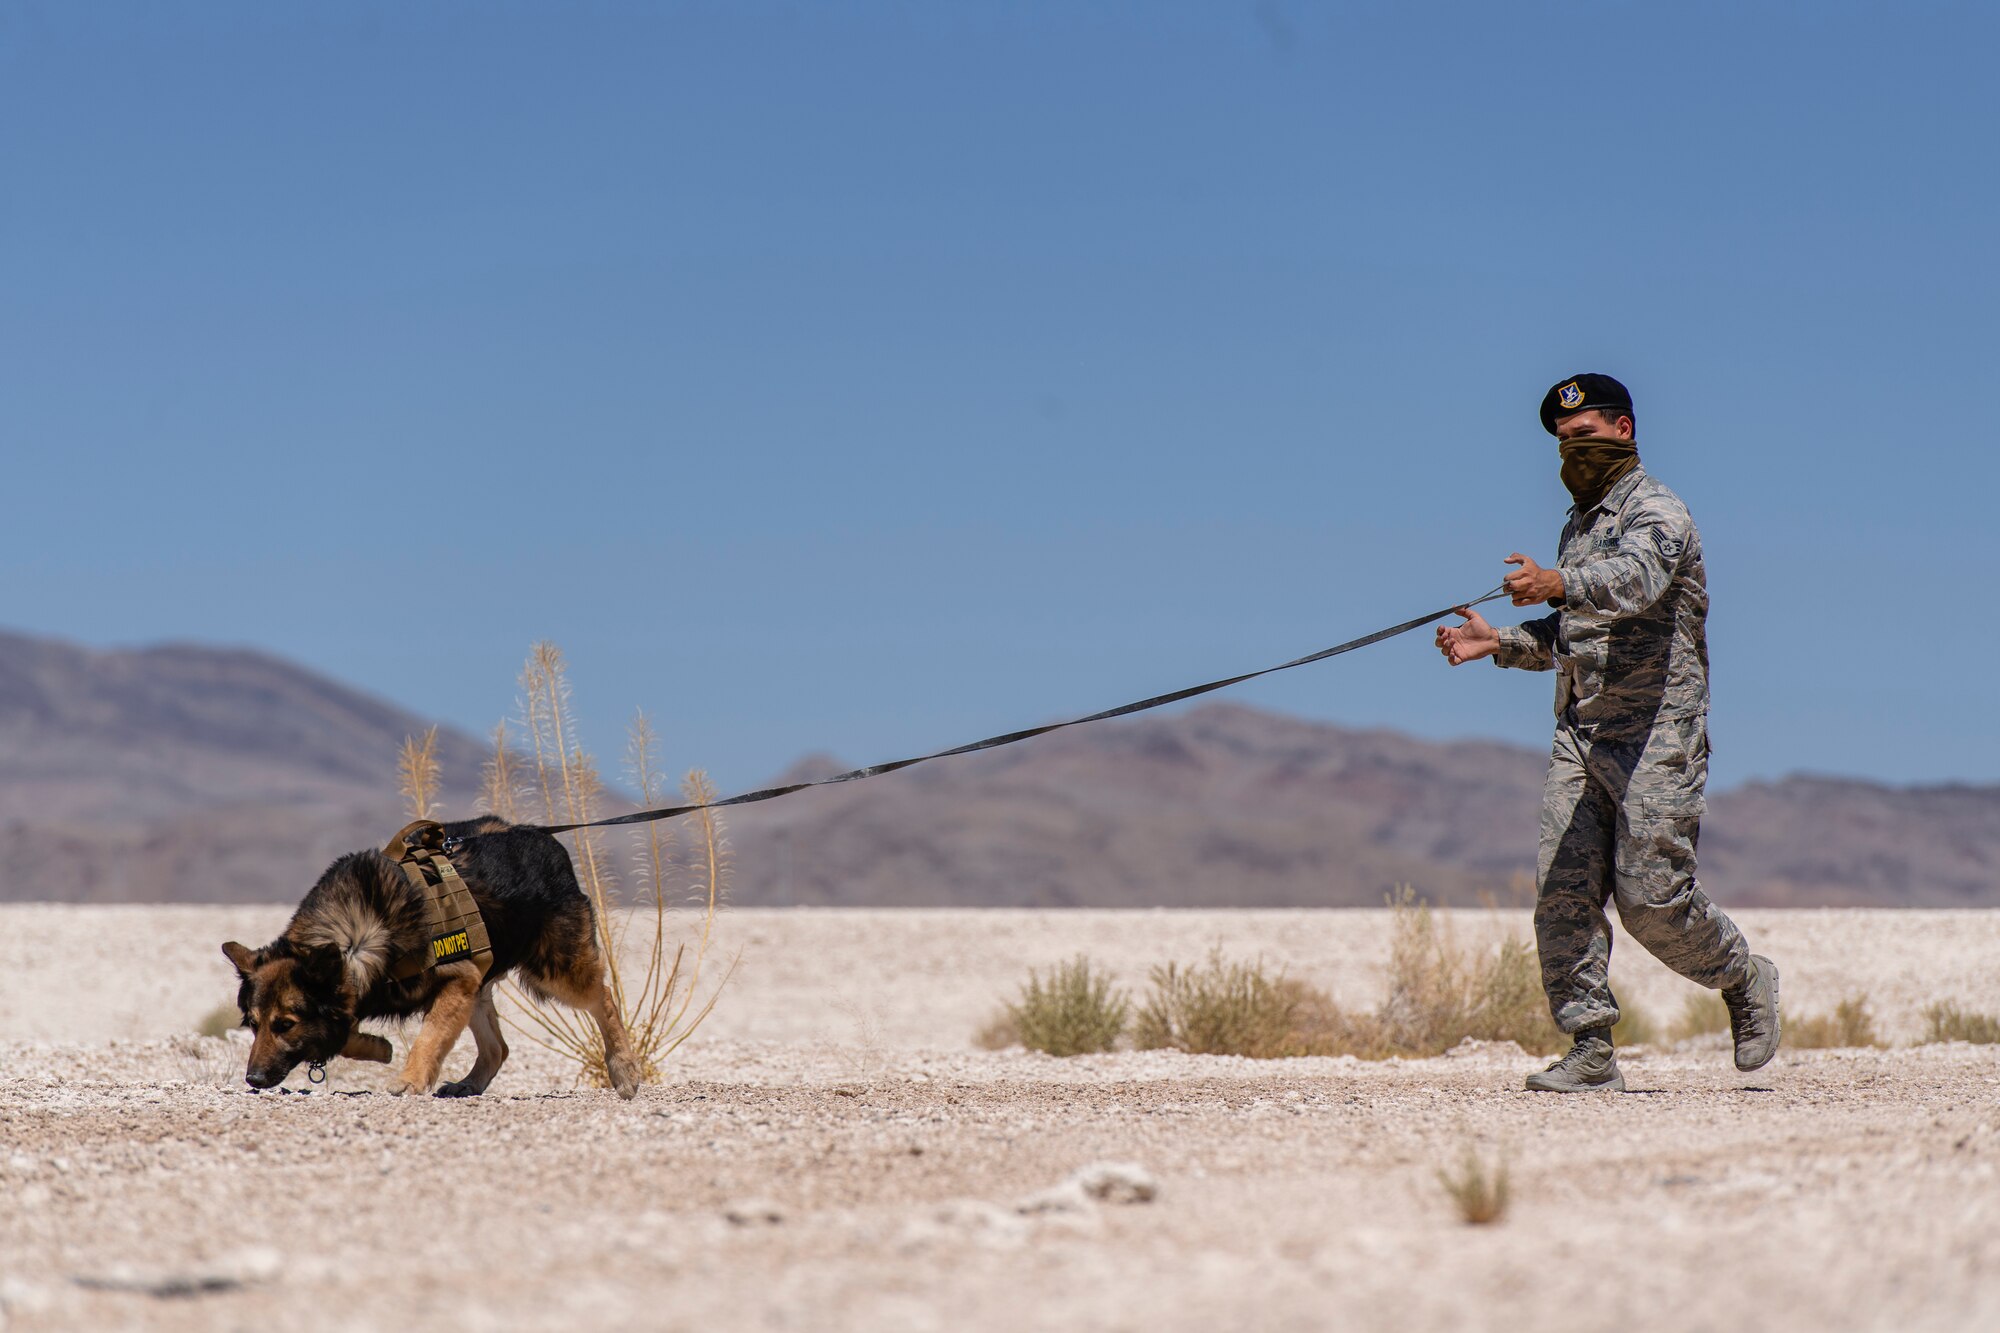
{"x": 457, "y": 930}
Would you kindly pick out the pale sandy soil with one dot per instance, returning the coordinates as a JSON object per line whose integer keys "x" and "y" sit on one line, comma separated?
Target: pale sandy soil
{"x": 832, "y": 1154}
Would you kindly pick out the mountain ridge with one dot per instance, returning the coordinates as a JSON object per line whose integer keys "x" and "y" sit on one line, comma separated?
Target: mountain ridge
{"x": 183, "y": 773}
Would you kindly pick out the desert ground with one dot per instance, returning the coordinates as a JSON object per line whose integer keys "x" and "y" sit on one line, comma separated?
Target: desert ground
{"x": 831, "y": 1151}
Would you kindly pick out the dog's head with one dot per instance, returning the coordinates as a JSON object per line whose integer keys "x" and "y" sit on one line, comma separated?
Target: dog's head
{"x": 298, "y": 1004}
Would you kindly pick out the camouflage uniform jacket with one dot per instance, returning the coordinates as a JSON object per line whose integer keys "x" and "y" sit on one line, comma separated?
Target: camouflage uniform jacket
{"x": 1630, "y": 636}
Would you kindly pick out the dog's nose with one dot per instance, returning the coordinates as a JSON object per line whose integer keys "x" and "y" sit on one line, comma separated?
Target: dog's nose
{"x": 258, "y": 1079}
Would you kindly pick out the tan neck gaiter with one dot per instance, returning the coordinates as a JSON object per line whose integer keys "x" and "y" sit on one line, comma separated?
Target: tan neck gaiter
{"x": 1592, "y": 465}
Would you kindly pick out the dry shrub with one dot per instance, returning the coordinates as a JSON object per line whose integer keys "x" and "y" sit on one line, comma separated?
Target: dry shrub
{"x": 1947, "y": 1021}
{"x": 1225, "y": 1008}
{"x": 555, "y": 781}
{"x": 1852, "y": 1023}
{"x": 1508, "y": 1002}
{"x": 1076, "y": 1011}
{"x": 1701, "y": 1013}
{"x": 1439, "y": 994}
{"x": 1479, "y": 1194}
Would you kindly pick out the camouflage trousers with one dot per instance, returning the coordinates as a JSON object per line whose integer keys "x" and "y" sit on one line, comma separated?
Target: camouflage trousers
{"x": 1620, "y": 819}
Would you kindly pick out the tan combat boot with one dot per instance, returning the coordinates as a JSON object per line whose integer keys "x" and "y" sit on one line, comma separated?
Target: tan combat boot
{"x": 1753, "y": 1015}
{"x": 1590, "y": 1066}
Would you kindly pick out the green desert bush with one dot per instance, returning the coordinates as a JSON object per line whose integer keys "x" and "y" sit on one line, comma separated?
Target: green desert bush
{"x": 219, "y": 1021}
{"x": 1225, "y": 1008}
{"x": 1852, "y": 1023}
{"x": 1076, "y": 1010}
{"x": 1948, "y": 1021}
{"x": 1478, "y": 1192}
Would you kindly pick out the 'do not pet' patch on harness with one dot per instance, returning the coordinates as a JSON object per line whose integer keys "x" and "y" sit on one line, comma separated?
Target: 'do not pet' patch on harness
{"x": 457, "y": 930}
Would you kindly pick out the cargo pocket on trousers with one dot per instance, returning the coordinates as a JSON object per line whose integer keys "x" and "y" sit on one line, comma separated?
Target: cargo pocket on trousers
{"x": 1673, "y": 770}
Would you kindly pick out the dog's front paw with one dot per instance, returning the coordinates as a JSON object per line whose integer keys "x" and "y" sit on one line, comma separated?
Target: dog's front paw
{"x": 464, "y": 1087}
{"x": 402, "y": 1087}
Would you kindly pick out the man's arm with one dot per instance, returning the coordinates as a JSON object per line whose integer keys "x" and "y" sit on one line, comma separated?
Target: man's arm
{"x": 1529, "y": 646}
{"x": 1639, "y": 574}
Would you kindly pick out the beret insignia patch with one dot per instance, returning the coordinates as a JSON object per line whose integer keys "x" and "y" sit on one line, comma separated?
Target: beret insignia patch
{"x": 1570, "y": 396}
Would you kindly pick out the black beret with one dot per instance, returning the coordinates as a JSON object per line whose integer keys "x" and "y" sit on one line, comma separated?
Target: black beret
{"x": 1581, "y": 393}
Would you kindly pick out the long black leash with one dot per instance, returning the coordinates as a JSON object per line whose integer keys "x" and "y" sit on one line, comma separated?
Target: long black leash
{"x": 1012, "y": 737}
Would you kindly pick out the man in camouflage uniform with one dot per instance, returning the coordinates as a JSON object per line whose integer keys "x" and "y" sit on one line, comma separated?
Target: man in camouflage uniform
{"x": 1622, "y": 810}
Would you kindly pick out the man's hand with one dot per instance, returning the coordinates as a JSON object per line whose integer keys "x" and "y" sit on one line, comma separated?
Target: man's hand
{"x": 1468, "y": 642}
{"x": 1531, "y": 585}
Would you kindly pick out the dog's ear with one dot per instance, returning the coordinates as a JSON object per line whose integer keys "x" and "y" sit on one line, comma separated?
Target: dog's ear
{"x": 245, "y": 960}
{"x": 324, "y": 967}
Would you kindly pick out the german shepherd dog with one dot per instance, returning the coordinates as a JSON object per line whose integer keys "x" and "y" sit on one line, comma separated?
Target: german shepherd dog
{"x": 303, "y": 993}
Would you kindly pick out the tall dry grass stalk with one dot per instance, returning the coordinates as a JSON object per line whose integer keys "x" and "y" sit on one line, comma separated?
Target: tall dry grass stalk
{"x": 417, "y": 775}
{"x": 659, "y": 1017}
{"x": 659, "y": 1005}
{"x": 547, "y": 777}
{"x": 500, "y": 785}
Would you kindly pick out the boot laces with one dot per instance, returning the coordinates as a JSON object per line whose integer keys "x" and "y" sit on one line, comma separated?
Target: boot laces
{"x": 1579, "y": 1054}
{"x": 1744, "y": 1012}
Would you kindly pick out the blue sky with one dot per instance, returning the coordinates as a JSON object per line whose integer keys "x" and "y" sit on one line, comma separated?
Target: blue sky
{"x": 868, "y": 377}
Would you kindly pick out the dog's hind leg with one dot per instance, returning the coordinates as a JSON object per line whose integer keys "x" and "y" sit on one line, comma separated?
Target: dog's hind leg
{"x": 492, "y": 1049}
{"x": 619, "y": 1062}
{"x": 457, "y": 997}
{"x": 581, "y": 986}
{"x": 567, "y": 964}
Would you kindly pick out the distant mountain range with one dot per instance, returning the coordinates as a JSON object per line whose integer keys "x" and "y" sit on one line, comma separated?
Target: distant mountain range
{"x": 188, "y": 774}
{"x": 1230, "y": 805}
{"x": 191, "y": 774}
